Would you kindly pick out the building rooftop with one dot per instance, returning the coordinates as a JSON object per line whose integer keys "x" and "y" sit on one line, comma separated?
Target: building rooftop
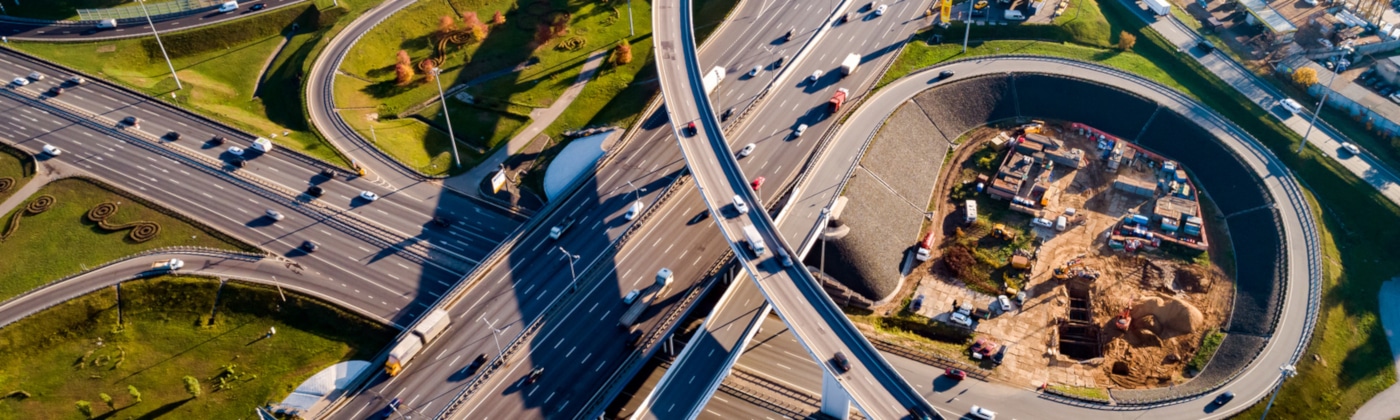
{"x": 1174, "y": 207}
{"x": 1268, "y": 16}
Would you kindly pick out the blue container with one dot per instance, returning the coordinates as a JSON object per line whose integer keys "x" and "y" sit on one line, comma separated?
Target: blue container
{"x": 1138, "y": 219}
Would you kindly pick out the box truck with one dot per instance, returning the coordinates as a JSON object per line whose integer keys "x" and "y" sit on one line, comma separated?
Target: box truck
{"x": 428, "y": 329}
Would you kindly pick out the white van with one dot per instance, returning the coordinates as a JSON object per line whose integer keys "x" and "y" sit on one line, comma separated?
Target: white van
{"x": 228, "y": 7}
{"x": 106, "y": 24}
{"x": 1060, "y": 223}
{"x": 1014, "y": 15}
{"x": 1291, "y": 105}
{"x": 262, "y": 145}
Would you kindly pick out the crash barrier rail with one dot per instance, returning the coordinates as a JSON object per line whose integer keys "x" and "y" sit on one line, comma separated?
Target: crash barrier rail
{"x": 1290, "y": 188}
{"x": 163, "y": 9}
{"x": 177, "y": 250}
{"x": 930, "y": 359}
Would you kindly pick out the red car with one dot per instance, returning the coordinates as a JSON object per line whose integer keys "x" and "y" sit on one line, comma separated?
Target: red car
{"x": 757, "y": 182}
{"x": 955, "y": 374}
{"x": 690, "y": 129}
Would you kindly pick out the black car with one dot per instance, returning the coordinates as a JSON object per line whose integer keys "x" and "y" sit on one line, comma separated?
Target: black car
{"x": 1205, "y": 46}
{"x": 727, "y": 113}
{"x": 1223, "y": 398}
{"x": 309, "y": 246}
{"x": 945, "y": 74}
{"x": 315, "y": 191}
{"x": 788, "y": 36}
{"x": 55, "y": 91}
{"x": 328, "y": 173}
{"x": 172, "y": 136}
{"x": 239, "y": 162}
{"x": 257, "y": 7}
{"x": 442, "y": 221}
{"x": 131, "y": 121}
{"x": 841, "y": 362}
{"x": 476, "y": 363}
{"x": 217, "y": 141}
{"x": 918, "y": 413}
{"x": 534, "y": 375}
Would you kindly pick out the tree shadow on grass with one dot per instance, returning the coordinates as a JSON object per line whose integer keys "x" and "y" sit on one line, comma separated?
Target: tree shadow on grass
{"x": 164, "y": 409}
{"x": 181, "y": 353}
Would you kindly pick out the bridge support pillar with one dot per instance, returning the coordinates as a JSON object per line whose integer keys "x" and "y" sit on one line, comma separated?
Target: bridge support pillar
{"x": 835, "y": 401}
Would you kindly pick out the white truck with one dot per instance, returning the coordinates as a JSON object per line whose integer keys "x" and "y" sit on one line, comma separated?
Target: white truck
{"x": 262, "y": 145}
{"x": 558, "y": 230}
{"x": 664, "y": 277}
{"x": 712, "y": 79}
{"x": 1160, "y": 7}
{"x": 849, "y": 65}
{"x": 755, "y": 240}
{"x": 423, "y": 333}
{"x": 168, "y": 265}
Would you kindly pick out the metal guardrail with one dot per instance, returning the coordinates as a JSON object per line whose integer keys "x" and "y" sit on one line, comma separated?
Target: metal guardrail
{"x": 180, "y": 7}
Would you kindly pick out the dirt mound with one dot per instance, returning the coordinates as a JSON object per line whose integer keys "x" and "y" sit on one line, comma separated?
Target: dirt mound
{"x": 1193, "y": 279}
{"x": 1171, "y": 317}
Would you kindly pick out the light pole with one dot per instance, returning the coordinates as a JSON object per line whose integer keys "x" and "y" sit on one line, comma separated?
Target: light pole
{"x": 500, "y": 351}
{"x": 636, "y": 190}
{"x": 178, "y": 86}
{"x": 1285, "y": 372}
{"x": 451, "y": 138}
{"x": 826, "y": 221}
{"x": 1341, "y": 67}
{"x": 573, "y": 285}
{"x": 968, "y": 31}
{"x": 630, "y": 28}
{"x": 396, "y": 411}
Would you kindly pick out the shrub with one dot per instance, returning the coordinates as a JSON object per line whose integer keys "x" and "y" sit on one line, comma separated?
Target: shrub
{"x": 107, "y": 399}
{"x": 446, "y": 25}
{"x": 1305, "y": 77}
{"x": 134, "y": 393}
{"x": 623, "y": 54}
{"x": 476, "y": 31}
{"x": 498, "y": 18}
{"x": 85, "y": 408}
{"x": 192, "y": 386}
{"x": 1126, "y": 41}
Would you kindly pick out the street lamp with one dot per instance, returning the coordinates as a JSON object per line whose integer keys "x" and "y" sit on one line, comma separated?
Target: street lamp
{"x": 639, "y": 191}
{"x": 630, "y": 28}
{"x": 451, "y": 138}
{"x": 494, "y": 331}
{"x": 1285, "y": 372}
{"x": 1341, "y": 67}
{"x": 573, "y": 285}
{"x": 178, "y": 86}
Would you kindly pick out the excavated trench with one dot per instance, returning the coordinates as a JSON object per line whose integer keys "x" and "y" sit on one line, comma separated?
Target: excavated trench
{"x": 1079, "y": 336}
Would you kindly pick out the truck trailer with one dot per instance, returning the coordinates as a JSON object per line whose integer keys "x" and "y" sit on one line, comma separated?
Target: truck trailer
{"x": 837, "y": 99}
{"x": 712, "y": 79}
{"x": 849, "y": 65}
{"x": 755, "y": 240}
{"x": 428, "y": 329}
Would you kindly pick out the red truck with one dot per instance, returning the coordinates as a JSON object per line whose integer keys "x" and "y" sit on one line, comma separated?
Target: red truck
{"x": 837, "y": 99}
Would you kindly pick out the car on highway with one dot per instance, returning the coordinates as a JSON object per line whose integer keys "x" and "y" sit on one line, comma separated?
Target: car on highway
{"x": 76, "y": 80}
{"x": 754, "y": 71}
{"x": 1291, "y": 105}
{"x": 172, "y": 136}
{"x": 634, "y": 210}
{"x": 274, "y": 215}
{"x": 982, "y": 413}
{"x": 20, "y": 81}
{"x": 534, "y": 375}
{"x": 52, "y": 150}
{"x": 727, "y": 113}
{"x": 945, "y": 74}
{"x": 801, "y": 128}
{"x": 132, "y": 121}
{"x": 389, "y": 408}
{"x": 690, "y": 129}
{"x": 559, "y": 229}
{"x": 235, "y": 150}
{"x": 631, "y": 297}
{"x": 1351, "y": 148}
{"x": 442, "y": 221}
{"x": 310, "y": 246}
{"x": 784, "y": 259}
{"x": 257, "y": 7}
{"x": 957, "y": 374}
{"x": 757, "y": 182}
{"x": 36, "y": 76}
{"x": 842, "y": 364}
{"x": 315, "y": 191}
{"x": 217, "y": 141}
{"x": 880, "y": 11}
{"x": 740, "y": 207}
{"x": 476, "y": 364}
{"x": 328, "y": 173}
{"x": 789, "y": 34}
{"x": 815, "y": 75}
{"x": 239, "y": 162}
{"x": 781, "y": 60}
{"x": 1222, "y": 399}
{"x": 55, "y": 91}
{"x": 847, "y": 17}
{"x": 918, "y": 413}
{"x": 747, "y": 150}
{"x": 369, "y": 196}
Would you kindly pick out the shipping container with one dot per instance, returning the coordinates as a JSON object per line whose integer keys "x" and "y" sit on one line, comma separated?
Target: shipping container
{"x": 1138, "y": 219}
{"x": 1191, "y": 229}
{"x": 1170, "y": 224}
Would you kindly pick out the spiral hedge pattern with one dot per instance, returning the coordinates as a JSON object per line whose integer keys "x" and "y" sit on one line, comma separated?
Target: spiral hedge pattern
{"x": 36, "y": 206}
{"x": 141, "y": 231}
{"x": 6, "y": 183}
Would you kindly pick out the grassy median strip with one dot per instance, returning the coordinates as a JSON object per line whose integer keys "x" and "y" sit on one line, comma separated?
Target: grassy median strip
{"x": 15, "y": 165}
{"x": 61, "y": 240}
{"x": 77, "y": 351}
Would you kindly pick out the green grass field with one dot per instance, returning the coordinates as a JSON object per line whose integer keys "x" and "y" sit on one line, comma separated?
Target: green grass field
{"x": 56, "y": 358}
{"x": 43, "y": 248}
{"x": 11, "y": 166}
{"x": 1354, "y": 361}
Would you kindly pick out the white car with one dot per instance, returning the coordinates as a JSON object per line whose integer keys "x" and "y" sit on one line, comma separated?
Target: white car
{"x": 631, "y": 297}
{"x": 369, "y": 196}
{"x": 36, "y": 75}
{"x": 76, "y": 80}
{"x": 51, "y": 150}
{"x": 274, "y": 215}
{"x": 235, "y": 150}
{"x": 960, "y": 319}
{"x": 1351, "y": 148}
{"x": 800, "y": 129}
{"x": 815, "y": 75}
{"x": 747, "y": 150}
{"x": 880, "y": 11}
{"x": 1004, "y": 302}
{"x": 634, "y": 210}
{"x": 740, "y": 206}
{"x": 20, "y": 81}
{"x": 755, "y": 71}
{"x": 982, "y": 413}
{"x": 1291, "y": 105}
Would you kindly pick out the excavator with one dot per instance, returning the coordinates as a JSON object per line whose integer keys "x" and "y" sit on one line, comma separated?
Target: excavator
{"x": 1000, "y": 231}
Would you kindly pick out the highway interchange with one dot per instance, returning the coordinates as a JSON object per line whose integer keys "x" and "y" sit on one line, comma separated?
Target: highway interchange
{"x": 569, "y": 346}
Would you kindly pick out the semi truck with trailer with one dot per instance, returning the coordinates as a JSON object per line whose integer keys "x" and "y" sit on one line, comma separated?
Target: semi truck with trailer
{"x": 423, "y": 333}
{"x": 664, "y": 277}
{"x": 712, "y": 79}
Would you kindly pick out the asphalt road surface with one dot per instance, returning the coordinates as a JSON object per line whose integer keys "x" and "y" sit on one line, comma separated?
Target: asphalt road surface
{"x": 37, "y": 31}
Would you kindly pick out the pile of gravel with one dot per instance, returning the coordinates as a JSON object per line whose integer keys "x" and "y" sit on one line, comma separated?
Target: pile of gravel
{"x": 1104, "y": 108}
{"x": 907, "y": 154}
{"x": 967, "y": 104}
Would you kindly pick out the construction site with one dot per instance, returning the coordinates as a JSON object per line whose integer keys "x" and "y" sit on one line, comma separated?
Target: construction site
{"x": 1078, "y": 258}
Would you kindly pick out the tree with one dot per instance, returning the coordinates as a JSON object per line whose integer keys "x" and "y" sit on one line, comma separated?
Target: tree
{"x": 1126, "y": 41}
{"x": 429, "y": 70}
{"x": 1305, "y": 77}
{"x": 85, "y": 408}
{"x": 403, "y": 58}
{"x": 107, "y": 399}
{"x": 560, "y": 25}
{"x": 446, "y": 25}
{"x": 476, "y": 31}
{"x": 498, "y": 18}
{"x": 403, "y": 70}
{"x": 135, "y": 394}
{"x": 623, "y": 54}
{"x": 192, "y": 386}
{"x": 543, "y": 34}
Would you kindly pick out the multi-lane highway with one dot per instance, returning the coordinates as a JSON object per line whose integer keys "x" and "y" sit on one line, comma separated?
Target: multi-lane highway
{"x": 39, "y": 30}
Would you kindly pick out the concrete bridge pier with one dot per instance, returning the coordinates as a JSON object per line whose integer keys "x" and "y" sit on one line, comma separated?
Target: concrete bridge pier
{"x": 835, "y": 401}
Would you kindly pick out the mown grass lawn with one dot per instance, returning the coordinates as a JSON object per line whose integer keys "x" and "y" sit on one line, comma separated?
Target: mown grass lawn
{"x": 1352, "y": 361}
{"x": 77, "y": 351}
{"x": 11, "y": 166}
{"x": 61, "y": 241}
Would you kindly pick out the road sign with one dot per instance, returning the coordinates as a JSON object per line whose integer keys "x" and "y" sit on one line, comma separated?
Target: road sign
{"x": 498, "y": 181}
{"x": 947, "y": 11}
